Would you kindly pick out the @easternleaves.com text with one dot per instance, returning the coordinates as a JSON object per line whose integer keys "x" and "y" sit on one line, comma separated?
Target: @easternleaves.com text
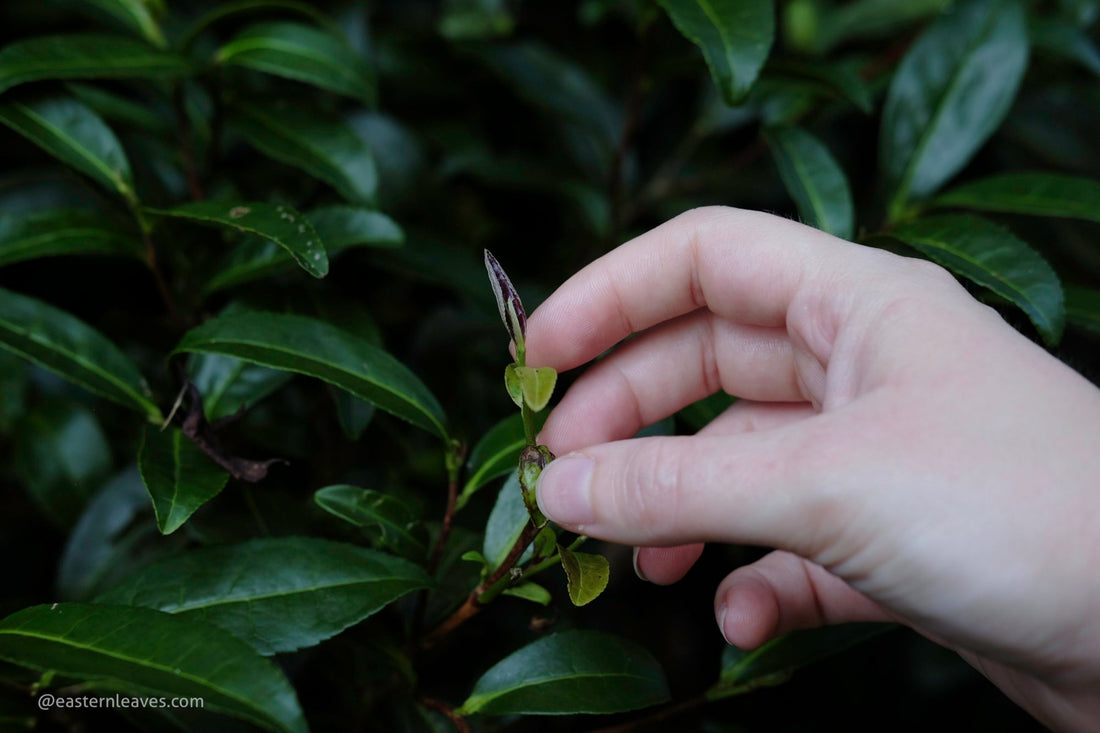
{"x": 48, "y": 701}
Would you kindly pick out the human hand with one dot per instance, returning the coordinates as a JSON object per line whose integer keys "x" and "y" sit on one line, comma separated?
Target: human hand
{"x": 910, "y": 455}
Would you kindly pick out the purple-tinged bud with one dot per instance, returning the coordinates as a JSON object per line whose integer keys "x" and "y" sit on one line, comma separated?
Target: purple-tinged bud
{"x": 508, "y": 302}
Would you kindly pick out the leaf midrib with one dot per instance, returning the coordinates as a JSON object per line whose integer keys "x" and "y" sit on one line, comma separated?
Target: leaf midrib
{"x": 147, "y": 664}
{"x": 295, "y": 592}
{"x": 484, "y": 698}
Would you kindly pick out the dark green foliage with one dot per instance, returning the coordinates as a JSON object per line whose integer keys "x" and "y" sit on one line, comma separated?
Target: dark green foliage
{"x": 256, "y": 443}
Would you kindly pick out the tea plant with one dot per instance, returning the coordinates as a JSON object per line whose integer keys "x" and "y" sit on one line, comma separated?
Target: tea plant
{"x": 250, "y": 400}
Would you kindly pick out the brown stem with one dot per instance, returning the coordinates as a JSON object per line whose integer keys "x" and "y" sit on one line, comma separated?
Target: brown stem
{"x": 669, "y": 711}
{"x": 449, "y": 513}
{"x": 158, "y": 277}
{"x": 473, "y": 602}
{"x": 458, "y": 721}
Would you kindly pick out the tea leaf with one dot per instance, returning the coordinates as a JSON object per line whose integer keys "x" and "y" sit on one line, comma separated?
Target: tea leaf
{"x": 949, "y": 94}
{"x": 774, "y": 662}
{"x": 179, "y": 477}
{"x": 86, "y": 56}
{"x": 536, "y": 384}
{"x": 587, "y": 575}
{"x": 275, "y": 594}
{"x": 530, "y": 592}
{"x": 172, "y": 656}
{"x": 1041, "y": 194}
{"x": 995, "y": 258}
{"x": 567, "y": 673}
{"x": 506, "y": 522}
{"x": 735, "y": 37}
{"x": 69, "y": 347}
{"x": 398, "y": 525}
{"x": 323, "y": 146}
{"x": 302, "y": 53}
{"x": 318, "y": 349}
{"x": 52, "y": 232}
{"x": 814, "y": 179}
{"x": 75, "y": 135}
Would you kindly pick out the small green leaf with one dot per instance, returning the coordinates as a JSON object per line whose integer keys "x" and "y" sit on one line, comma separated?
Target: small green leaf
{"x": 339, "y": 228}
{"x": 536, "y": 385}
{"x": 949, "y": 94}
{"x": 774, "y": 662}
{"x": 52, "y": 232}
{"x": 227, "y": 384}
{"x": 1083, "y": 308}
{"x": 134, "y": 15}
{"x": 992, "y": 257}
{"x": 397, "y": 525}
{"x": 546, "y": 542}
{"x": 86, "y": 56}
{"x": 76, "y": 136}
{"x": 61, "y": 455}
{"x": 1041, "y": 194}
{"x": 171, "y": 656}
{"x": 74, "y": 350}
{"x": 567, "y": 673}
{"x": 530, "y": 592}
{"x": 513, "y": 384}
{"x": 735, "y": 37}
{"x": 587, "y": 575}
{"x": 506, "y": 522}
{"x": 496, "y": 454}
{"x": 814, "y": 179}
{"x": 302, "y": 53}
{"x": 179, "y": 477}
{"x": 323, "y": 146}
{"x": 275, "y": 594}
{"x": 318, "y": 349}
{"x": 280, "y": 223}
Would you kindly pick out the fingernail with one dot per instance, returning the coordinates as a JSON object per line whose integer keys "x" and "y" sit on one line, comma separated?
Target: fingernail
{"x": 564, "y": 494}
{"x": 722, "y": 621}
{"x": 637, "y": 568}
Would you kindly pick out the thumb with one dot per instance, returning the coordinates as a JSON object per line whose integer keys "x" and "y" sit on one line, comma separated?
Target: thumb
{"x": 756, "y": 488}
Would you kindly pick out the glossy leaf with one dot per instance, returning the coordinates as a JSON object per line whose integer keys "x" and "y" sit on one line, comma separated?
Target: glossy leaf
{"x": 86, "y": 56}
{"x": 735, "y": 37}
{"x": 315, "y": 348}
{"x": 52, "y": 232}
{"x": 992, "y": 257}
{"x": 76, "y": 136}
{"x": 109, "y": 541}
{"x": 530, "y": 592}
{"x": 513, "y": 385}
{"x": 228, "y": 384}
{"x": 587, "y": 575}
{"x": 172, "y": 656}
{"x": 537, "y": 385}
{"x": 179, "y": 477}
{"x": 398, "y": 526}
{"x": 570, "y": 672}
{"x": 1083, "y": 308}
{"x": 774, "y": 662}
{"x": 814, "y": 179}
{"x": 61, "y": 455}
{"x": 277, "y": 222}
{"x": 339, "y": 227}
{"x": 72, "y": 349}
{"x": 135, "y": 15}
{"x": 949, "y": 94}
{"x": 303, "y": 53}
{"x": 323, "y": 146}
{"x": 275, "y": 594}
{"x": 496, "y": 454}
{"x": 506, "y": 522}
{"x": 1041, "y": 194}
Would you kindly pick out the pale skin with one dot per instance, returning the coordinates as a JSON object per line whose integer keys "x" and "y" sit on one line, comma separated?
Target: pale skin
{"x": 910, "y": 456}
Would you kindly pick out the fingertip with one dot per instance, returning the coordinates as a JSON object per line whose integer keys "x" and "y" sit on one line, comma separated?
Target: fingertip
{"x": 748, "y": 614}
{"x": 666, "y": 565}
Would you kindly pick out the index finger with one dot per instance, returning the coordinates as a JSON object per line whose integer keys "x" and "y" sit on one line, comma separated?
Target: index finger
{"x": 742, "y": 265}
